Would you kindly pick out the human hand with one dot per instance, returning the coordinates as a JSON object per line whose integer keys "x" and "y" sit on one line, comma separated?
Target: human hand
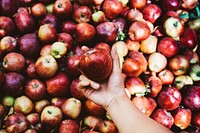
{"x": 104, "y": 93}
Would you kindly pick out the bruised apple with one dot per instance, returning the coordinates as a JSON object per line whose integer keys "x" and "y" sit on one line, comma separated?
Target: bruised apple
{"x": 96, "y": 64}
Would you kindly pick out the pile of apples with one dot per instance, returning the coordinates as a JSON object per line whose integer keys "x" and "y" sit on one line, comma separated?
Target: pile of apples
{"x": 42, "y": 57}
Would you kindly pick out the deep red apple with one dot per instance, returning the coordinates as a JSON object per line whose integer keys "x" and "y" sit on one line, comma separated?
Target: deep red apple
{"x": 9, "y": 7}
{"x": 18, "y": 121}
{"x": 69, "y": 126}
{"x": 196, "y": 119}
{"x": 192, "y": 97}
{"x": 106, "y": 32}
{"x": 7, "y": 26}
{"x": 51, "y": 19}
{"x": 68, "y": 27}
{"x": 62, "y": 9}
{"x": 82, "y": 14}
{"x": 35, "y": 89}
{"x": 169, "y": 98}
{"x": 163, "y": 117}
{"x": 96, "y": 64}
{"x": 171, "y": 4}
{"x": 67, "y": 39}
{"x": 168, "y": 46}
{"x": 75, "y": 91}
{"x": 58, "y": 85}
{"x": 139, "y": 30}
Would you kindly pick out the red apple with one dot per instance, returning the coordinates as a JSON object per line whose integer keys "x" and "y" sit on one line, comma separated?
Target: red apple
{"x": 138, "y": 30}
{"x": 9, "y": 7}
{"x": 47, "y": 33}
{"x": 35, "y": 89}
{"x": 71, "y": 108}
{"x": 68, "y": 27}
{"x": 51, "y": 19}
{"x": 82, "y": 14}
{"x": 7, "y": 26}
{"x": 24, "y": 20}
{"x": 93, "y": 108}
{"x": 182, "y": 117}
{"x": 14, "y": 62}
{"x": 67, "y": 39}
{"x": 51, "y": 117}
{"x": 16, "y": 123}
{"x": 133, "y": 45}
{"x": 171, "y": 4}
{"x": 58, "y": 101}
{"x": 69, "y": 126}
{"x": 169, "y": 98}
{"x": 196, "y": 119}
{"x": 135, "y": 86}
{"x": 38, "y": 10}
{"x": 163, "y": 117}
{"x": 30, "y": 71}
{"x": 151, "y": 12}
{"x": 58, "y": 85}
{"x": 40, "y": 105}
{"x": 139, "y": 4}
{"x": 75, "y": 91}
{"x": 96, "y": 64}
{"x": 189, "y": 4}
{"x": 103, "y": 45}
{"x": 192, "y": 97}
{"x": 107, "y": 126}
{"x": 46, "y": 66}
{"x": 2, "y": 111}
{"x": 166, "y": 76}
{"x": 106, "y": 32}
{"x": 179, "y": 64}
{"x": 23, "y": 105}
{"x": 192, "y": 56}
{"x": 92, "y": 122}
{"x": 45, "y": 50}
{"x": 134, "y": 14}
{"x": 8, "y": 44}
{"x": 33, "y": 118}
{"x": 62, "y": 9}
{"x": 153, "y": 105}
{"x": 168, "y": 46}
{"x": 98, "y": 17}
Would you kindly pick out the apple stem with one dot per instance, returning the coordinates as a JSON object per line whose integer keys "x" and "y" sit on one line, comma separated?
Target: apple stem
{"x": 49, "y": 112}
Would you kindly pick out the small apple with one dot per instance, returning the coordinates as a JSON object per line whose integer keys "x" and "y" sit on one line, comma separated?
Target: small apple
{"x": 18, "y": 121}
{"x": 93, "y": 108}
{"x": 45, "y": 50}
{"x": 98, "y": 17}
{"x": 71, "y": 108}
{"x": 46, "y": 66}
{"x": 51, "y": 19}
{"x": 23, "y": 105}
{"x": 8, "y": 44}
{"x": 67, "y": 39}
{"x": 51, "y": 116}
{"x": 8, "y": 101}
{"x": 7, "y": 26}
{"x": 58, "y": 50}
{"x": 166, "y": 76}
{"x": 40, "y": 105}
{"x": 68, "y": 27}
{"x": 189, "y": 4}
{"x": 134, "y": 14}
{"x": 9, "y": 7}
{"x": 82, "y": 14}
{"x": 69, "y": 126}
{"x": 182, "y": 117}
{"x": 38, "y": 10}
{"x": 30, "y": 71}
{"x": 149, "y": 45}
{"x": 107, "y": 126}
{"x": 133, "y": 45}
{"x": 14, "y": 62}
{"x": 138, "y": 30}
{"x": 35, "y": 89}
{"x": 171, "y": 4}
{"x": 58, "y": 85}
{"x": 33, "y": 118}
{"x": 138, "y": 4}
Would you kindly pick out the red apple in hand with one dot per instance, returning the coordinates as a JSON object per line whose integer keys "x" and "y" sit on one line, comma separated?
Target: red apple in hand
{"x": 96, "y": 64}
{"x": 169, "y": 98}
{"x": 69, "y": 126}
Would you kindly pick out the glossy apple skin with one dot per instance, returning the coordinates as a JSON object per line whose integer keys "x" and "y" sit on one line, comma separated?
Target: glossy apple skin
{"x": 69, "y": 126}
{"x": 18, "y": 121}
{"x": 168, "y": 46}
{"x": 82, "y": 14}
{"x": 192, "y": 97}
{"x": 9, "y": 7}
{"x": 182, "y": 117}
{"x": 8, "y": 44}
{"x": 163, "y": 117}
{"x": 171, "y": 4}
{"x": 96, "y": 64}
{"x": 35, "y": 89}
{"x": 7, "y": 26}
{"x": 93, "y": 108}
{"x": 58, "y": 85}
{"x": 38, "y": 10}
{"x": 169, "y": 98}
{"x": 151, "y": 12}
{"x": 188, "y": 38}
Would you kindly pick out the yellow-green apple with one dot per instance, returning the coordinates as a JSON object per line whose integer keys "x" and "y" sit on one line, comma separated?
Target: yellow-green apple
{"x": 194, "y": 72}
{"x": 98, "y": 17}
{"x": 58, "y": 50}
{"x": 182, "y": 80}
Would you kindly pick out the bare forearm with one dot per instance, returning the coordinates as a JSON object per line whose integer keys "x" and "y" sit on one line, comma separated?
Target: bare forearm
{"x": 129, "y": 119}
